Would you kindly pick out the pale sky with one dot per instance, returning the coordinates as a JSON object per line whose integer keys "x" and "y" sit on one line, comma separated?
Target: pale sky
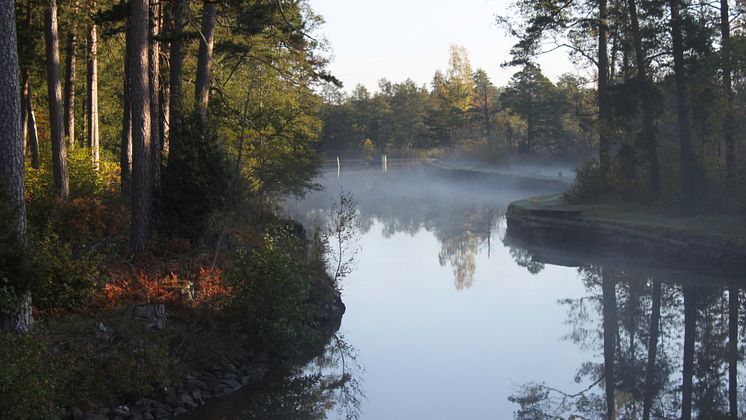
{"x": 397, "y": 39}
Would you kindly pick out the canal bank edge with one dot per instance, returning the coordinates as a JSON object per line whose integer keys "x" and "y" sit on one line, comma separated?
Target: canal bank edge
{"x": 602, "y": 232}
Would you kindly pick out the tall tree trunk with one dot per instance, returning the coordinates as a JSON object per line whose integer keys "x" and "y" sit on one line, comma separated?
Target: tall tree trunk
{"x": 155, "y": 87}
{"x": 142, "y": 182}
{"x": 176, "y": 67}
{"x": 655, "y": 316}
{"x": 125, "y": 147}
{"x": 204, "y": 60}
{"x": 25, "y": 83}
{"x": 92, "y": 117}
{"x": 728, "y": 120}
{"x": 648, "y": 125}
{"x": 24, "y": 106}
{"x": 33, "y": 135}
{"x": 610, "y": 327}
{"x": 604, "y": 145}
{"x": 690, "y": 319}
{"x": 11, "y": 155}
{"x": 682, "y": 105}
{"x": 69, "y": 93}
{"x": 733, "y": 305}
{"x": 54, "y": 90}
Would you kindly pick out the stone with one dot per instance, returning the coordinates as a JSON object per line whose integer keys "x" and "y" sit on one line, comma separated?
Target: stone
{"x": 148, "y": 416}
{"x": 76, "y": 414}
{"x": 197, "y": 397}
{"x": 231, "y": 384}
{"x": 121, "y": 411}
{"x": 187, "y": 402}
{"x": 180, "y": 411}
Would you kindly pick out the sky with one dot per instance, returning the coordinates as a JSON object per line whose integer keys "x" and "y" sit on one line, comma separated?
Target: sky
{"x": 400, "y": 39}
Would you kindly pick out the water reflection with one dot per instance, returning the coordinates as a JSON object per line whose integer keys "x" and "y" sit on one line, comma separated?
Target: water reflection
{"x": 669, "y": 343}
{"x": 463, "y": 216}
{"x": 329, "y": 384}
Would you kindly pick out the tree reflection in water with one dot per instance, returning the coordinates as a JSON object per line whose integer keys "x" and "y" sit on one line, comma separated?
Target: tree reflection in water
{"x": 330, "y": 383}
{"x": 666, "y": 345}
{"x": 463, "y": 217}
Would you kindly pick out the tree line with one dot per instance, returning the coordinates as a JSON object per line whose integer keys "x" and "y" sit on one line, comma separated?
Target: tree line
{"x": 669, "y": 83}
{"x": 463, "y": 109}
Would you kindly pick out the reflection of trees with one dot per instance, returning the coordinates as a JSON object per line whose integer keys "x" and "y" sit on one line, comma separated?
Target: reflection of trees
{"x": 331, "y": 382}
{"x": 460, "y": 216}
{"x": 637, "y": 324}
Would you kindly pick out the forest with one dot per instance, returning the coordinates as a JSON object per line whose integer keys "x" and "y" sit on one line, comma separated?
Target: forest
{"x": 658, "y": 120}
{"x": 146, "y": 147}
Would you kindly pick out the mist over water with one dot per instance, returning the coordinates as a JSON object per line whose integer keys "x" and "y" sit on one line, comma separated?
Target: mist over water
{"x": 449, "y": 316}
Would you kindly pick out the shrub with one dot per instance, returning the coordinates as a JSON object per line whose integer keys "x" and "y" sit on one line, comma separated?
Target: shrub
{"x": 271, "y": 294}
{"x": 590, "y": 184}
{"x": 194, "y": 182}
{"x": 59, "y": 277}
{"x": 26, "y": 391}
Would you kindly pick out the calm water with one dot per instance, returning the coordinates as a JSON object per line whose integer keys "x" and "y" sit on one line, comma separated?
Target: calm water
{"x": 448, "y": 319}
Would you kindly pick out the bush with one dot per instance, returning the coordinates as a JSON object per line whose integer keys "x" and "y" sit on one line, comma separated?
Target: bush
{"x": 590, "y": 184}
{"x": 194, "y": 182}
{"x": 272, "y": 294}
{"x": 26, "y": 392}
{"x": 59, "y": 277}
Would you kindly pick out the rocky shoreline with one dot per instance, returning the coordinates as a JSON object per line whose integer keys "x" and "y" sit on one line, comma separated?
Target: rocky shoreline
{"x": 229, "y": 375}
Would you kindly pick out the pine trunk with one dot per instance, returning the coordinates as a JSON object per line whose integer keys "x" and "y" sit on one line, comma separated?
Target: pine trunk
{"x": 682, "y": 105}
{"x": 69, "y": 93}
{"x": 54, "y": 91}
{"x": 155, "y": 87}
{"x": 204, "y": 60}
{"x": 11, "y": 158}
{"x": 92, "y": 114}
{"x": 125, "y": 147}
{"x": 33, "y": 135}
{"x": 648, "y": 123}
{"x": 142, "y": 182}
{"x": 176, "y": 66}
{"x": 604, "y": 145}
{"x": 728, "y": 120}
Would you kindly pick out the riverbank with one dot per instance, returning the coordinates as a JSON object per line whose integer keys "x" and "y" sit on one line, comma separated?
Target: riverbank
{"x": 165, "y": 337}
{"x": 500, "y": 176}
{"x": 713, "y": 243}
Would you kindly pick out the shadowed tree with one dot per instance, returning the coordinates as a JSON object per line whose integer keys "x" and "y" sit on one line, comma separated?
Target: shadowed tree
{"x": 142, "y": 182}
{"x": 176, "y": 67}
{"x": 54, "y": 93}
{"x": 682, "y": 107}
{"x": 92, "y": 82}
{"x": 204, "y": 60}
{"x": 125, "y": 146}
{"x": 644, "y": 86}
{"x": 69, "y": 92}
{"x": 11, "y": 158}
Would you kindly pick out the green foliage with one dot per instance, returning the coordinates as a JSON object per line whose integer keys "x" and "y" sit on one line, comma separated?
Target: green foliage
{"x": 590, "y": 184}
{"x": 105, "y": 360}
{"x": 26, "y": 391}
{"x": 194, "y": 181}
{"x": 272, "y": 293}
{"x": 60, "y": 278}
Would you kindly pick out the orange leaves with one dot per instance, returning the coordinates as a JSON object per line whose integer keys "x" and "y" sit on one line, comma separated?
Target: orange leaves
{"x": 137, "y": 286}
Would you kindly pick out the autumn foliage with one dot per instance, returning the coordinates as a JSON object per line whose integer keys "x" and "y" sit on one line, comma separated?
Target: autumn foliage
{"x": 134, "y": 285}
